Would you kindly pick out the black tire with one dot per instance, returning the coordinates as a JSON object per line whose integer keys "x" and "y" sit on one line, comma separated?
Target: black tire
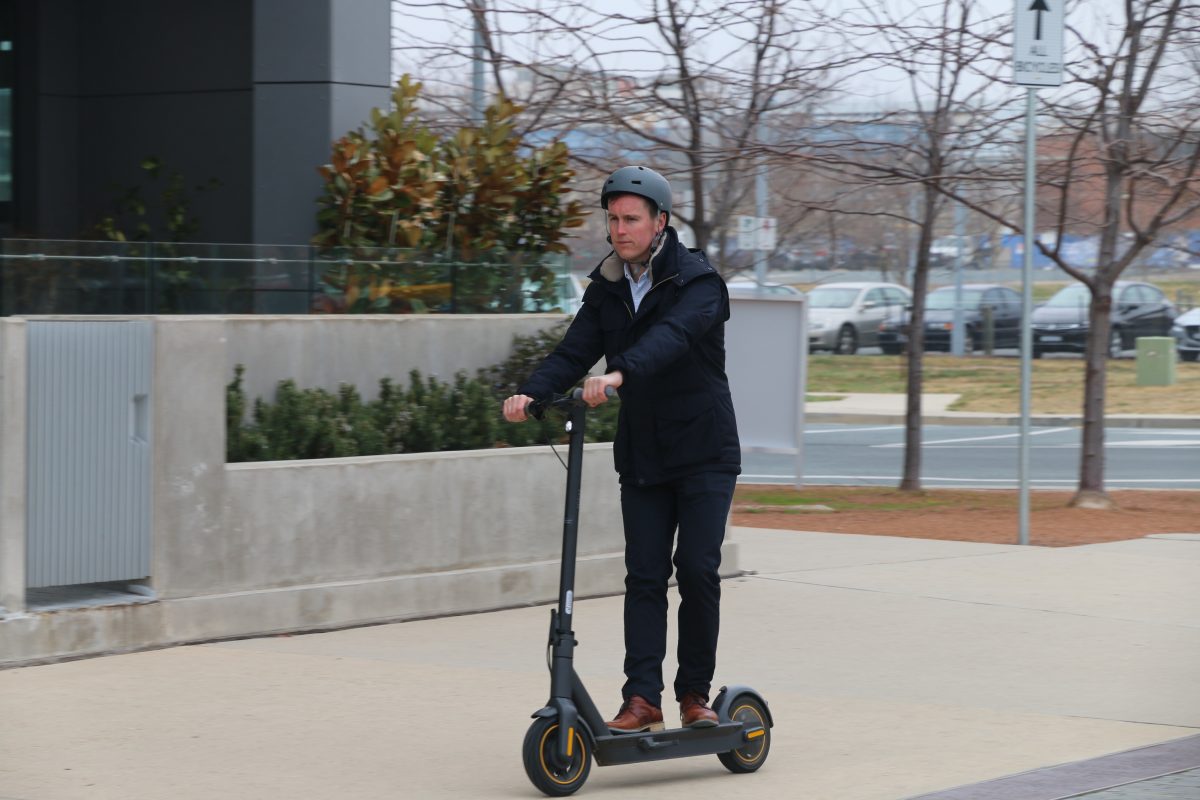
{"x": 847, "y": 341}
{"x": 1038, "y": 352}
{"x": 1116, "y": 343}
{"x": 890, "y": 349}
{"x": 972, "y": 340}
{"x": 1189, "y": 355}
{"x": 751, "y": 755}
{"x": 535, "y": 752}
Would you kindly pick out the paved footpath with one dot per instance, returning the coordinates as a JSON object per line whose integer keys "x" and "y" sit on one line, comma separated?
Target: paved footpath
{"x": 895, "y": 668}
{"x": 1180, "y": 786}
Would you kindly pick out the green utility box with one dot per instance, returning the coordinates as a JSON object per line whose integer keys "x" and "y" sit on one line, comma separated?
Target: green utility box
{"x": 1155, "y": 361}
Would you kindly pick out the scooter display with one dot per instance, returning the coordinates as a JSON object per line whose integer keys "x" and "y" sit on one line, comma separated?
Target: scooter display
{"x": 569, "y": 731}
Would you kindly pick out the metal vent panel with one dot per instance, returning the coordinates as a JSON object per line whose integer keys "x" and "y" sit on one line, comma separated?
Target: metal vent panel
{"x": 89, "y": 451}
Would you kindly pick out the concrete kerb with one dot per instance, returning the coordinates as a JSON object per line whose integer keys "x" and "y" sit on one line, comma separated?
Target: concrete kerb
{"x": 983, "y": 418}
{"x": 890, "y": 409}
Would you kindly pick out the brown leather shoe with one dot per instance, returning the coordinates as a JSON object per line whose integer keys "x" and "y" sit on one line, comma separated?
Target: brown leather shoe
{"x": 694, "y": 711}
{"x": 637, "y": 714}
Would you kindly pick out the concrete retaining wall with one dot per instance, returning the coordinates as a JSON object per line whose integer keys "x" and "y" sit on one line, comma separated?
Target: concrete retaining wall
{"x": 251, "y": 549}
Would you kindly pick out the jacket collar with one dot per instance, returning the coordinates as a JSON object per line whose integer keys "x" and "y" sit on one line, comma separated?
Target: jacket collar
{"x": 612, "y": 267}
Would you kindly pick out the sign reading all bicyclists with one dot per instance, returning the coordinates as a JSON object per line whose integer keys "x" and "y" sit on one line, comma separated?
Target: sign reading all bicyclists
{"x": 1038, "y": 43}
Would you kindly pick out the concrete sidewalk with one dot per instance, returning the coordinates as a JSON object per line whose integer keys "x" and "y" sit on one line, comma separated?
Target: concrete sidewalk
{"x": 894, "y": 667}
{"x": 856, "y": 407}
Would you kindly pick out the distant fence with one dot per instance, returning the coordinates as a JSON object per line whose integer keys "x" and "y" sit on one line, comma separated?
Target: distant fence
{"x": 99, "y": 277}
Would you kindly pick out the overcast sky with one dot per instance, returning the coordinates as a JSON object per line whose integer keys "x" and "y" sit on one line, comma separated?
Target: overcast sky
{"x": 442, "y": 23}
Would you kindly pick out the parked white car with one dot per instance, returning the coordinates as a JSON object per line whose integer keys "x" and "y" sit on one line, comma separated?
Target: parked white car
{"x": 742, "y": 287}
{"x": 843, "y": 317}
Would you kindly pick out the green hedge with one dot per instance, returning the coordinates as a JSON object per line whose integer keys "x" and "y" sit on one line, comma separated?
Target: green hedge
{"x": 426, "y": 416}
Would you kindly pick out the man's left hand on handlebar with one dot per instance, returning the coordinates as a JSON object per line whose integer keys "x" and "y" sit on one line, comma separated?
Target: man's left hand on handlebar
{"x": 594, "y": 388}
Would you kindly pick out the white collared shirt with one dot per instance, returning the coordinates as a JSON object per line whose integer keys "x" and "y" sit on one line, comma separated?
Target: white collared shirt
{"x": 638, "y": 287}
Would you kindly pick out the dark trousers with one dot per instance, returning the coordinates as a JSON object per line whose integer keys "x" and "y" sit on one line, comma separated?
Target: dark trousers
{"x": 698, "y": 506}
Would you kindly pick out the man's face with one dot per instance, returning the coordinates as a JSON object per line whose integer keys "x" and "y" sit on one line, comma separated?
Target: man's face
{"x": 633, "y": 227}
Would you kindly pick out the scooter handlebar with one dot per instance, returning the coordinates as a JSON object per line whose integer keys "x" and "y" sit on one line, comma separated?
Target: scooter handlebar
{"x": 536, "y": 408}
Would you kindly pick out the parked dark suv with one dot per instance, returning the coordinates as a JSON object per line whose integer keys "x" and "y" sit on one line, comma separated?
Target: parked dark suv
{"x": 1005, "y": 309}
{"x": 1061, "y": 323}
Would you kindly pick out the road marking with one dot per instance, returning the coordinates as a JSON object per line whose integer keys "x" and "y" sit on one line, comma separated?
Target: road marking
{"x": 857, "y": 430}
{"x": 1156, "y": 443}
{"x": 1039, "y": 432}
{"x": 1151, "y": 431}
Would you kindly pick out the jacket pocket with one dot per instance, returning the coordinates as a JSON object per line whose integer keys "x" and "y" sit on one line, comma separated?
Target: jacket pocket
{"x": 614, "y": 321}
{"x": 686, "y": 431}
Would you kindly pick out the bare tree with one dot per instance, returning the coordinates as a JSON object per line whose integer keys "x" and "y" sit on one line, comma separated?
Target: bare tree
{"x": 1130, "y": 129}
{"x": 1120, "y": 162}
{"x": 684, "y": 86}
{"x": 938, "y": 58}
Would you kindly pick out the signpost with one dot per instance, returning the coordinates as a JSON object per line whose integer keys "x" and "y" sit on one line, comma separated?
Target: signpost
{"x": 1037, "y": 61}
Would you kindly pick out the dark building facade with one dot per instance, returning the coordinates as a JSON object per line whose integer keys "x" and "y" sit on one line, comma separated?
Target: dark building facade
{"x": 247, "y": 94}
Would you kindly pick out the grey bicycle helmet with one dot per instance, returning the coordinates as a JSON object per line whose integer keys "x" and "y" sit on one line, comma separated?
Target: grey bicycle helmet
{"x": 641, "y": 181}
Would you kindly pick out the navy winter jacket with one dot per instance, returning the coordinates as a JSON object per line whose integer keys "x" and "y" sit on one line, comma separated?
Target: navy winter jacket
{"x": 676, "y": 413}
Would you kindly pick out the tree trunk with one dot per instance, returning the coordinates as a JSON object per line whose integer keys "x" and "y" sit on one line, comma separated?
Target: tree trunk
{"x": 911, "y": 479}
{"x": 1090, "y": 493}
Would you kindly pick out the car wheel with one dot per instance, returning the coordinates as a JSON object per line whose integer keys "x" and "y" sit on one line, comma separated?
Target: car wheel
{"x": 1189, "y": 355}
{"x": 890, "y": 349}
{"x": 847, "y": 341}
{"x": 1116, "y": 343}
{"x": 1038, "y": 352}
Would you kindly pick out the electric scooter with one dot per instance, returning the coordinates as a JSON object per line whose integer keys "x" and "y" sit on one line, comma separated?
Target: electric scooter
{"x": 569, "y": 731}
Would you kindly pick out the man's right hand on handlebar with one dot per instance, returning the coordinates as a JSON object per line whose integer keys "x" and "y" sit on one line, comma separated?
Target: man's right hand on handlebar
{"x": 515, "y": 407}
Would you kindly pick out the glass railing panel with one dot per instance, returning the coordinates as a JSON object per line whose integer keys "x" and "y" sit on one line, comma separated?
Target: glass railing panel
{"x": 99, "y": 277}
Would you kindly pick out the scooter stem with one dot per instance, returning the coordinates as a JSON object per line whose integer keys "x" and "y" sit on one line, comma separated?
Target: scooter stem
{"x": 562, "y": 637}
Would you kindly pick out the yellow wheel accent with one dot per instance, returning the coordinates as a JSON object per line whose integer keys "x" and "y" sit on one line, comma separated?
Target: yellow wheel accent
{"x": 751, "y": 717}
{"x": 750, "y": 756}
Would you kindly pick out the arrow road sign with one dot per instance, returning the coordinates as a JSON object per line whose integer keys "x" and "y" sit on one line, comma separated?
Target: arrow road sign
{"x": 1038, "y": 6}
{"x": 1038, "y": 43}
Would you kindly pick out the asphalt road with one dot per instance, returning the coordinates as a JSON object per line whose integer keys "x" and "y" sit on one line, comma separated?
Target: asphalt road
{"x": 982, "y": 457}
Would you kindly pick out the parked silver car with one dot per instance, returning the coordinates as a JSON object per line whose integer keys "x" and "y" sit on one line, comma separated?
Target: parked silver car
{"x": 843, "y": 317}
{"x": 1186, "y": 330}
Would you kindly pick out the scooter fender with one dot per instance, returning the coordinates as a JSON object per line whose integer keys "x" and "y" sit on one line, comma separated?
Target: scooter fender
{"x": 728, "y": 694}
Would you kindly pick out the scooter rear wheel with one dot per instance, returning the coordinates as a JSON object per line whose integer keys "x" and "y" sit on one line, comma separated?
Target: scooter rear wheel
{"x": 751, "y": 755}
{"x": 537, "y": 753}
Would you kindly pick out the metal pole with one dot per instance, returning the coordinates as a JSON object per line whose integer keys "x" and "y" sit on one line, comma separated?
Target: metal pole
{"x": 1026, "y": 311}
{"x": 957, "y": 334}
{"x": 477, "y": 97}
{"x": 760, "y": 210}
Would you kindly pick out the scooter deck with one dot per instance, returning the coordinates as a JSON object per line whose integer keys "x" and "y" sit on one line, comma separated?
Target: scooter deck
{"x": 628, "y": 748}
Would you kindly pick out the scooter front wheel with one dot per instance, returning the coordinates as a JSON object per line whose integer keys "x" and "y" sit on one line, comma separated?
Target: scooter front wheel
{"x": 540, "y": 765}
{"x": 753, "y": 752}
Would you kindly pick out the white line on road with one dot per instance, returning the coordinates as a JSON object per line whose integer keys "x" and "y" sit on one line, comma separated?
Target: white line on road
{"x": 1039, "y": 432}
{"x": 856, "y": 430}
{"x": 1156, "y": 443}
